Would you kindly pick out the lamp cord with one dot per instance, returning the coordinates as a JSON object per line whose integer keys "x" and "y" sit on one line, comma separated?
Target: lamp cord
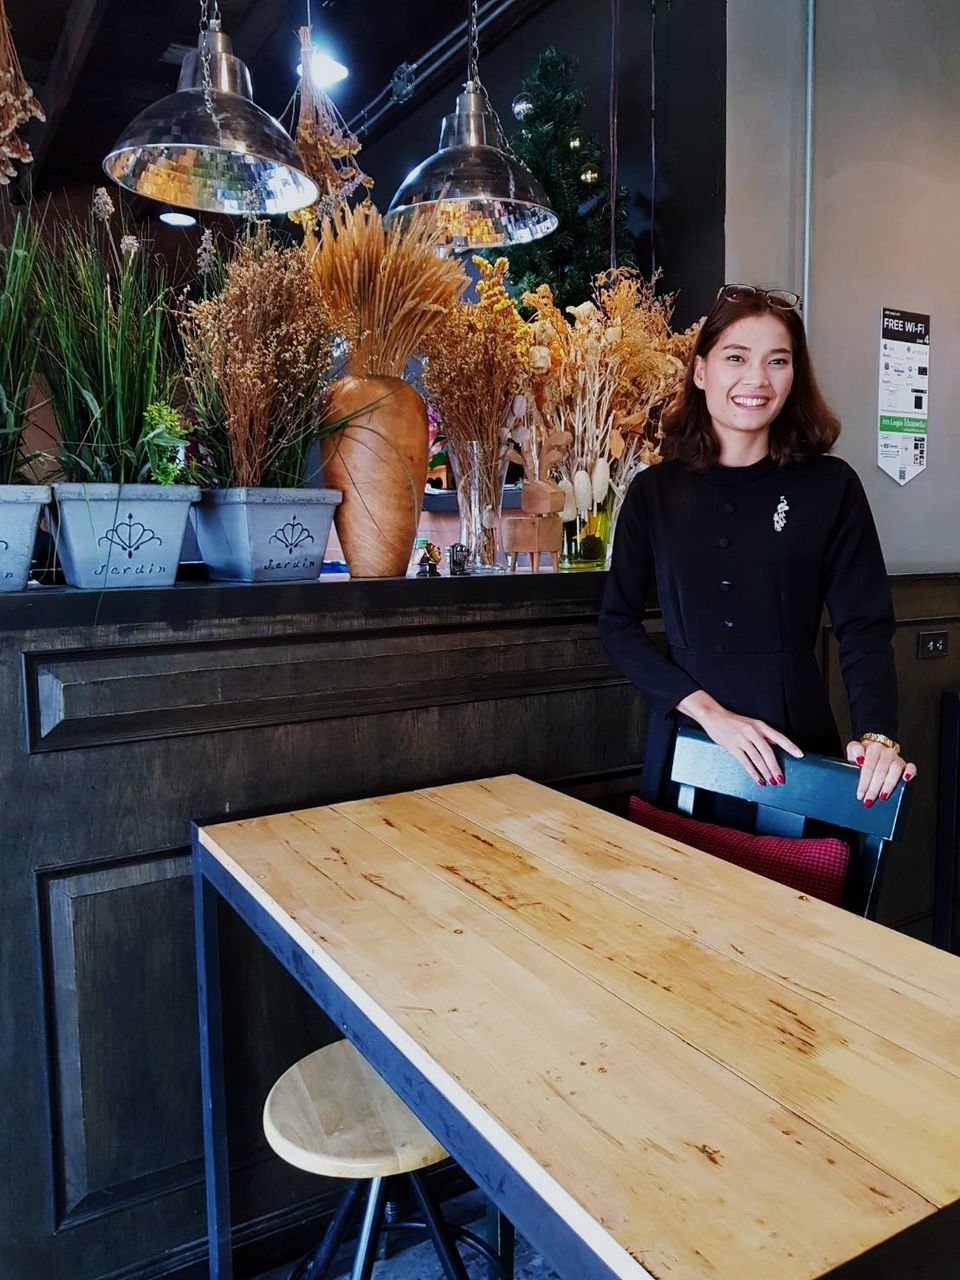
{"x": 613, "y": 112}
{"x": 653, "y": 137}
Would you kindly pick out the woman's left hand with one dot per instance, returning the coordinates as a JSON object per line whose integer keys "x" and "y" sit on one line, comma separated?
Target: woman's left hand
{"x": 880, "y": 770}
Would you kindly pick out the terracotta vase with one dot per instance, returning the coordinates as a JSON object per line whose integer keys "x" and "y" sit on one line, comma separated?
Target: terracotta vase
{"x": 379, "y": 461}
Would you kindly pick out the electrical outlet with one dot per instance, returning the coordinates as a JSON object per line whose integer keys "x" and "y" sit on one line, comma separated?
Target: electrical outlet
{"x": 931, "y": 644}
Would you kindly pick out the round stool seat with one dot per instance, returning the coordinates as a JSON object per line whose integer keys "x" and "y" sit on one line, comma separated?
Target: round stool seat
{"x": 331, "y": 1114}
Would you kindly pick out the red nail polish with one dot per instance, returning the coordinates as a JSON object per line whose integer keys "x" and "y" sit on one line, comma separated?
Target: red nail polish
{"x": 781, "y": 779}
{"x": 762, "y": 781}
{"x": 860, "y": 759}
{"x": 909, "y": 777}
{"x": 883, "y": 795}
{"x": 773, "y": 782}
{"x": 868, "y": 804}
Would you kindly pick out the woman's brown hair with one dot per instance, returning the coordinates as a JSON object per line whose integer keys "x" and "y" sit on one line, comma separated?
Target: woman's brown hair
{"x": 805, "y": 428}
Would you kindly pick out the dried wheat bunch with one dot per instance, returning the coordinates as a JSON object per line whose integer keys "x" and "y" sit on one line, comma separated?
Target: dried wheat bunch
{"x": 17, "y": 104}
{"x": 385, "y": 288}
{"x": 258, "y": 357}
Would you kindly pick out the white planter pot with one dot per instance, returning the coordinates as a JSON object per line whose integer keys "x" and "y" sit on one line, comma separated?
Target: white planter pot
{"x": 264, "y": 535}
{"x": 111, "y": 536}
{"x": 19, "y": 516}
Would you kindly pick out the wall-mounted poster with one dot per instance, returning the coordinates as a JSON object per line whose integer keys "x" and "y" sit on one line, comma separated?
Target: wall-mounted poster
{"x": 904, "y": 392}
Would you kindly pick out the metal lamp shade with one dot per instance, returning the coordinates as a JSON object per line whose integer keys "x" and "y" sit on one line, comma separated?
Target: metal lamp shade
{"x": 238, "y": 160}
{"x": 483, "y": 196}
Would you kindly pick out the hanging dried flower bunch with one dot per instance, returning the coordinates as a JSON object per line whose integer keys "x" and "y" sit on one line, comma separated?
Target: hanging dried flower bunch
{"x": 326, "y": 147}
{"x": 17, "y": 104}
{"x": 385, "y": 288}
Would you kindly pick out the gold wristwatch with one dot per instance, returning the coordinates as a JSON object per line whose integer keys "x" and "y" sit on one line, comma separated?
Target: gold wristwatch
{"x": 882, "y": 739}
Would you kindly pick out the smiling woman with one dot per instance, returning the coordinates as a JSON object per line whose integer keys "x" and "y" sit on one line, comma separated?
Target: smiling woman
{"x": 749, "y": 528}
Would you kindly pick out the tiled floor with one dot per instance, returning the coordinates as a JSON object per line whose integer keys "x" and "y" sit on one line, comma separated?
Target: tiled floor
{"x": 420, "y": 1261}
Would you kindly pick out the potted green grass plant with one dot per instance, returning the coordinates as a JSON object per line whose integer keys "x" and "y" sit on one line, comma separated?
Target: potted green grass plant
{"x": 107, "y": 356}
{"x": 20, "y": 499}
{"x": 258, "y": 353}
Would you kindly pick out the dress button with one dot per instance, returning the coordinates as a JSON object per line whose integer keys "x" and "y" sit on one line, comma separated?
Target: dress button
{"x": 723, "y": 542}
{"x": 729, "y": 508}
{"x": 726, "y": 585}
{"x": 727, "y": 622}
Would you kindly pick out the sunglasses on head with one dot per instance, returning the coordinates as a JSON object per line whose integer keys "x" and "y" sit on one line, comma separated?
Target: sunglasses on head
{"x": 778, "y": 299}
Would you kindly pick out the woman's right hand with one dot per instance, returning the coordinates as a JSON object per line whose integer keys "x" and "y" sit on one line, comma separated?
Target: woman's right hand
{"x": 749, "y": 741}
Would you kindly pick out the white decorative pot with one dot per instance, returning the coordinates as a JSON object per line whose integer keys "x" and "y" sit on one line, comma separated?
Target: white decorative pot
{"x": 20, "y": 506}
{"x": 264, "y": 535}
{"x": 111, "y": 536}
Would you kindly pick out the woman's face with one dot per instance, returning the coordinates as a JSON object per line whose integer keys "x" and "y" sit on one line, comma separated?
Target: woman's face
{"x": 747, "y": 375}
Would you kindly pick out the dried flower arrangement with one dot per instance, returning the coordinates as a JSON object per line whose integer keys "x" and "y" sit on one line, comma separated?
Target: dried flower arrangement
{"x": 326, "y": 147}
{"x": 653, "y": 360}
{"x": 603, "y": 377}
{"x": 386, "y": 289}
{"x": 258, "y": 353}
{"x": 17, "y": 104}
{"x": 476, "y": 359}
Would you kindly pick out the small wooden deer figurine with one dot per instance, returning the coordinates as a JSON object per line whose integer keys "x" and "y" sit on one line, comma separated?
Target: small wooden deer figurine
{"x": 539, "y": 530}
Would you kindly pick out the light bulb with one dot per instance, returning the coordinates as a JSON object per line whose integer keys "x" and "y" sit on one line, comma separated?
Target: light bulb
{"x": 324, "y": 70}
{"x": 176, "y": 218}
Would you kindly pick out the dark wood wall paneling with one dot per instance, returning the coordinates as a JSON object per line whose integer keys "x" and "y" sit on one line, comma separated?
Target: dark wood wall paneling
{"x": 128, "y": 715}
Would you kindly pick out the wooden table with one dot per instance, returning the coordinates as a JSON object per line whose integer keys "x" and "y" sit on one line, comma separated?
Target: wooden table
{"x": 657, "y": 1064}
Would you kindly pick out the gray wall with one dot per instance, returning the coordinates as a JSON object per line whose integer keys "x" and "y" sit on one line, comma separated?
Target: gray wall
{"x": 885, "y": 194}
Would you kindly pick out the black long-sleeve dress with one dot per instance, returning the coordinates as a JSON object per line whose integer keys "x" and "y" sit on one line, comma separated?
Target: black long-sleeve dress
{"x": 744, "y": 559}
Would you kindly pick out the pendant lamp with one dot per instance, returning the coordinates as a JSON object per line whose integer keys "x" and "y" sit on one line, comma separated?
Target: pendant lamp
{"x": 209, "y": 146}
{"x": 483, "y": 196}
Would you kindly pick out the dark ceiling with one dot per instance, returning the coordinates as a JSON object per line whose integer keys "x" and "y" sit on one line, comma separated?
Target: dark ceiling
{"x": 95, "y": 64}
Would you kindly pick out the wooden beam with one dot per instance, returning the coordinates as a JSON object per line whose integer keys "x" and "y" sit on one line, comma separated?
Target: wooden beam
{"x": 76, "y": 38}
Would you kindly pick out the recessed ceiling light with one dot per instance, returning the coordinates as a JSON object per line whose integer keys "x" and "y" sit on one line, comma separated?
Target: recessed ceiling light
{"x": 324, "y": 70}
{"x": 178, "y": 218}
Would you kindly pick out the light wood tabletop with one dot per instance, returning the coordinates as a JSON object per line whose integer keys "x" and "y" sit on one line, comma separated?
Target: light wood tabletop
{"x": 697, "y": 1072}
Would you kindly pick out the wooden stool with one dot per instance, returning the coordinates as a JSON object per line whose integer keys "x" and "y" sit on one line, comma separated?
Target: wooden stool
{"x": 331, "y": 1114}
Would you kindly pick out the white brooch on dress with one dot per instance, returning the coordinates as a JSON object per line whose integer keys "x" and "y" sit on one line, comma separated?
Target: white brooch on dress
{"x": 780, "y": 515}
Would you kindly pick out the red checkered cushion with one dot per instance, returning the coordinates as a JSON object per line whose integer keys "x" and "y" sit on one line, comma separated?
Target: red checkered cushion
{"x": 817, "y": 867}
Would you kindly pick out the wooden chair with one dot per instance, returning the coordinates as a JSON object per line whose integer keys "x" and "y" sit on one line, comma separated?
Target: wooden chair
{"x": 816, "y": 788}
{"x": 331, "y": 1114}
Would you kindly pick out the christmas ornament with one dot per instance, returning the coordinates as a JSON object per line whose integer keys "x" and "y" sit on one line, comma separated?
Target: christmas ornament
{"x": 522, "y": 106}
{"x": 589, "y": 175}
{"x": 575, "y": 141}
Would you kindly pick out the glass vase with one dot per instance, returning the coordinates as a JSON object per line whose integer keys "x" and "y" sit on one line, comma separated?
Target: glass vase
{"x": 479, "y": 474}
{"x": 586, "y": 540}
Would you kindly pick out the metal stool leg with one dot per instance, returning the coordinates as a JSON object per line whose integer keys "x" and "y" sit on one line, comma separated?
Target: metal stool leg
{"x": 366, "y": 1253}
{"x": 504, "y": 1241}
{"x": 316, "y": 1264}
{"x": 450, "y": 1260}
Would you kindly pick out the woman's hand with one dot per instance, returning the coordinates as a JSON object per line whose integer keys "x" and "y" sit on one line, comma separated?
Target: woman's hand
{"x": 749, "y": 741}
{"x": 880, "y": 770}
